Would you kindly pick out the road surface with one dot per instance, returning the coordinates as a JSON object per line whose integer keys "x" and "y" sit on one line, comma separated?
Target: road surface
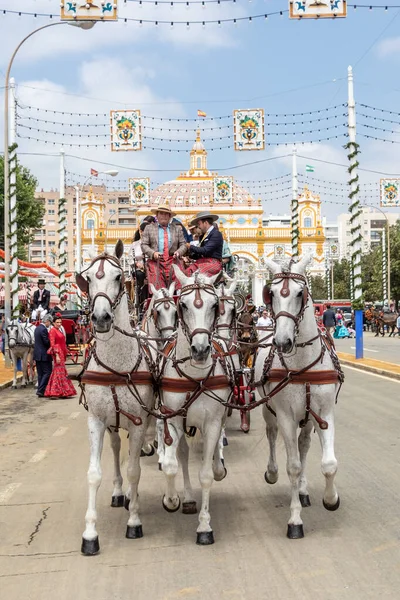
{"x": 379, "y": 348}
{"x": 353, "y": 553}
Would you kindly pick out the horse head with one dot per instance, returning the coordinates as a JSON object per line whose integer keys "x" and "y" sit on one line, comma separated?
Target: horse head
{"x": 12, "y": 333}
{"x": 227, "y": 304}
{"x": 163, "y": 310}
{"x": 103, "y": 282}
{"x": 288, "y": 295}
{"x": 198, "y": 312}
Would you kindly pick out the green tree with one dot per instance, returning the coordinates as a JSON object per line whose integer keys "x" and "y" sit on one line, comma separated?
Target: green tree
{"x": 341, "y": 279}
{"x": 319, "y": 287}
{"x": 30, "y": 212}
{"x": 395, "y": 261}
{"x": 372, "y": 278}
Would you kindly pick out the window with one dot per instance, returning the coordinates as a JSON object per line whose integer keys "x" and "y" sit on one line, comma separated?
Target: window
{"x": 52, "y": 243}
{"x": 112, "y": 222}
{"x": 112, "y": 211}
{"x": 90, "y": 224}
{"x": 307, "y": 222}
{"x": 51, "y": 233}
{"x": 51, "y": 202}
{"x": 51, "y": 211}
{"x": 111, "y": 201}
{"x": 51, "y": 222}
{"x": 123, "y": 200}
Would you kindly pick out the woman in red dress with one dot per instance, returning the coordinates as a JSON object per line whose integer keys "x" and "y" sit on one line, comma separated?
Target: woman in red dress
{"x": 59, "y": 385}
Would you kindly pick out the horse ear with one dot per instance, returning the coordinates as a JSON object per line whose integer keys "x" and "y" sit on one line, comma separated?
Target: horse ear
{"x": 300, "y": 267}
{"x": 171, "y": 289}
{"x": 232, "y": 286}
{"x": 266, "y": 294}
{"x": 82, "y": 283}
{"x": 153, "y": 289}
{"x": 119, "y": 249}
{"x": 180, "y": 275}
{"x": 272, "y": 266}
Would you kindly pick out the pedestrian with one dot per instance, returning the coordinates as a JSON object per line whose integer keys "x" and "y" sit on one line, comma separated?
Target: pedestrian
{"x": 265, "y": 320}
{"x": 59, "y": 386}
{"x": 398, "y": 324}
{"x": 329, "y": 319}
{"x": 40, "y": 356}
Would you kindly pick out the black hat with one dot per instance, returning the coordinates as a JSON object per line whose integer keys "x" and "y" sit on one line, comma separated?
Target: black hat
{"x": 42, "y": 281}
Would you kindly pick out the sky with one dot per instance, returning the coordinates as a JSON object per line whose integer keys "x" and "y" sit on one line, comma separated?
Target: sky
{"x": 285, "y": 66}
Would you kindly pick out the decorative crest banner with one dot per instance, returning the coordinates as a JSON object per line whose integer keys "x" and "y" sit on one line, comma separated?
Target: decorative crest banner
{"x": 334, "y": 251}
{"x": 317, "y": 9}
{"x": 139, "y": 190}
{"x": 390, "y": 192}
{"x": 279, "y": 251}
{"x": 91, "y": 10}
{"x": 223, "y": 187}
{"x": 248, "y": 127}
{"x": 126, "y": 130}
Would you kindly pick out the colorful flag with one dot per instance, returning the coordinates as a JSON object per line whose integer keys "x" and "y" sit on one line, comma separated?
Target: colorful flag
{"x": 309, "y": 169}
{"x": 94, "y": 172}
{"x": 200, "y": 113}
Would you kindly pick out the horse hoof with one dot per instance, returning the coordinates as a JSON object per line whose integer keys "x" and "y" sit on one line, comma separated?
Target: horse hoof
{"x": 134, "y": 532}
{"x": 304, "y": 500}
{"x": 13, "y": 387}
{"x": 205, "y": 538}
{"x": 295, "y": 532}
{"x": 171, "y": 510}
{"x": 332, "y": 507}
{"x": 90, "y": 547}
{"x": 117, "y": 501}
{"x": 245, "y": 428}
{"x": 189, "y": 508}
{"x": 270, "y": 480}
{"x": 155, "y": 443}
{"x": 126, "y": 502}
{"x": 150, "y": 453}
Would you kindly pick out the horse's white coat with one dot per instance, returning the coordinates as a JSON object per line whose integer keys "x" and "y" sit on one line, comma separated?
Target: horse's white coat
{"x": 289, "y": 404}
{"x": 21, "y": 338}
{"x": 120, "y": 353}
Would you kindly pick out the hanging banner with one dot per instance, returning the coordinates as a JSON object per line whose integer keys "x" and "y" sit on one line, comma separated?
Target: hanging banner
{"x": 279, "y": 251}
{"x": 317, "y": 9}
{"x": 223, "y": 187}
{"x": 248, "y": 127}
{"x": 139, "y": 190}
{"x": 126, "y": 130}
{"x": 390, "y": 192}
{"x": 96, "y": 10}
{"x": 334, "y": 251}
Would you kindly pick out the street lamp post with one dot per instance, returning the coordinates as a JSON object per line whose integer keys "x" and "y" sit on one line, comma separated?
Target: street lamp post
{"x": 7, "y": 240}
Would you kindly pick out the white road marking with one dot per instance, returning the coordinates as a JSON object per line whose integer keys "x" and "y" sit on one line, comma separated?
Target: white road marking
{"x": 60, "y": 431}
{"x": 74, "y": 415}
{"x": 373, "y": 374}
{"x": 38, "y": 456}
{"x": 369, "y": 349}
{"x": 6, "y": 494}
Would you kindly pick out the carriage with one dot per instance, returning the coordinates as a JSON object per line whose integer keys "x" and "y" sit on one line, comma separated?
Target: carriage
{"x": 77, "y": 332}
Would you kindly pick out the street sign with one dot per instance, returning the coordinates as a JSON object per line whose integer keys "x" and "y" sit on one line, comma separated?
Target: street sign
{"x": 390, "y": 192}
{"x": 317, "y": 9}
{"x": 91, "y": 10}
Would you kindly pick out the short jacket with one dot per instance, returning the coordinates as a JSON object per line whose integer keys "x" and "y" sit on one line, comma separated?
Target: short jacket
{"x": 150, "y": 240}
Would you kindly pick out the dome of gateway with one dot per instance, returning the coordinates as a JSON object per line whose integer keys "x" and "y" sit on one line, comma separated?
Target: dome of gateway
{"x": 196, "y": 186}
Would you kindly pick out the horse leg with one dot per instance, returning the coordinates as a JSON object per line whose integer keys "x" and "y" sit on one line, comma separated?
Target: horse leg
{"x": 90, "y": 538}
{"x": 171, "y": 501}
{"x": 331, "y": 500}
{"x": 304, "y": 446}
{"x": 14, "y": 362}
{"x": 118, "y": 497}
{"x": 219, "y": 468}
{"x": 288, "y": 428}
{"x": 160, "y": 443}
{"x": 211, "y": 435}
{"x": 271, "y": 474}
{"x": 24, "y": 369}
{"x": 189, "y": 503}
{"x": 136, "y": 436}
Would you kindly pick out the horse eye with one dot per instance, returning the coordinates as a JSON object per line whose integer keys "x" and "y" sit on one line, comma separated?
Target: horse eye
{"x": 88, "y": 279}
{"x": 118, "y": 278}
{"x": 299, "y": 294}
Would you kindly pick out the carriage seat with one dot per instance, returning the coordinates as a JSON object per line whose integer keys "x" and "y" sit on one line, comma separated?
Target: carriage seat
{"x": 70, "y": 331}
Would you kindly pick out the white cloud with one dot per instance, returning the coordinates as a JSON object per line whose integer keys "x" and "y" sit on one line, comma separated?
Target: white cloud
{"x": 389, "y": 47}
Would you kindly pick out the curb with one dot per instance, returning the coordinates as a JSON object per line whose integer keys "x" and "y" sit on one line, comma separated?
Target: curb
{"x": 375, "y": 370}
{"x": 7, "y": 384}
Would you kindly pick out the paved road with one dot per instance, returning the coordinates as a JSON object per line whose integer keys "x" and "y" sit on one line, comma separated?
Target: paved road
{"x": 382, "y": 348}
{"x": 353, "y": 553}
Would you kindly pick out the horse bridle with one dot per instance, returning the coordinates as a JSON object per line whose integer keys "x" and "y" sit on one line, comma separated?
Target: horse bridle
{"x": 168, "y": 303}
{"x": 197, "y": 286}
{"x": 84, "y": 284}
{"x": 285, "y": 292}
{"x": 221, "y": 309}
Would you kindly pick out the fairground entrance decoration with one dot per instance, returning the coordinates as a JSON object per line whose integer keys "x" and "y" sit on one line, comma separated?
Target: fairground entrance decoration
{"x": 223, "y": 189}
{"x": 334, "y": 251}
{"x": 279, "y": 251}
{"x": 317, "y": 9}
{"x": 96, "y": 10}
{"x": 126, "y": 130}
{"x": 249, "y": 129}
{"x": 139, "y": 190}
{"x": 390, "y": 192}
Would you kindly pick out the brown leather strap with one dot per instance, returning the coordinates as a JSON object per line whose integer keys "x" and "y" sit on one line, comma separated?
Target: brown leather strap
{"x": 108, "y": 379}
{"x": 214, "y": 382}
{"x": 311, "y": 377}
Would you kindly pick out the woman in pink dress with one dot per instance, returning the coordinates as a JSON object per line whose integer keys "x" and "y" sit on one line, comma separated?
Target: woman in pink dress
{"x": 59, "y": 385}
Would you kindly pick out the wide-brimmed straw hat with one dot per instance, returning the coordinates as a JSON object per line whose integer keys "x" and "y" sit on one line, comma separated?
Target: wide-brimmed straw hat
{"x": 163, "y": 208}
{"x": 201, "y": 216}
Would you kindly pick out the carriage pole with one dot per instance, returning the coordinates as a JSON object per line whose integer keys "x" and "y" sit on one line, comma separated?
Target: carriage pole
{"x": 62, "y": 226}
{"x": 295, "y": 207}
{"x": 355, "y": 212}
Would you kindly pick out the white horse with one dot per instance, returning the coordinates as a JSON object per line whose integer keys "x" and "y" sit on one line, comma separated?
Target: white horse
{"x": 193, "y": 376}
{"x": 38, "y": 313}
{"x": 302, "y": 359}
{"x": 118, "y": 388}
{"x": 21, "y": 338}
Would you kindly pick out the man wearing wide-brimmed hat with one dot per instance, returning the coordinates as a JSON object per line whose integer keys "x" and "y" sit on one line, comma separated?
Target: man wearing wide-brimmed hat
{"x": 41, "y": 297}
{"x": 208, "y": 253}
{"x": 162, "y": 243}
